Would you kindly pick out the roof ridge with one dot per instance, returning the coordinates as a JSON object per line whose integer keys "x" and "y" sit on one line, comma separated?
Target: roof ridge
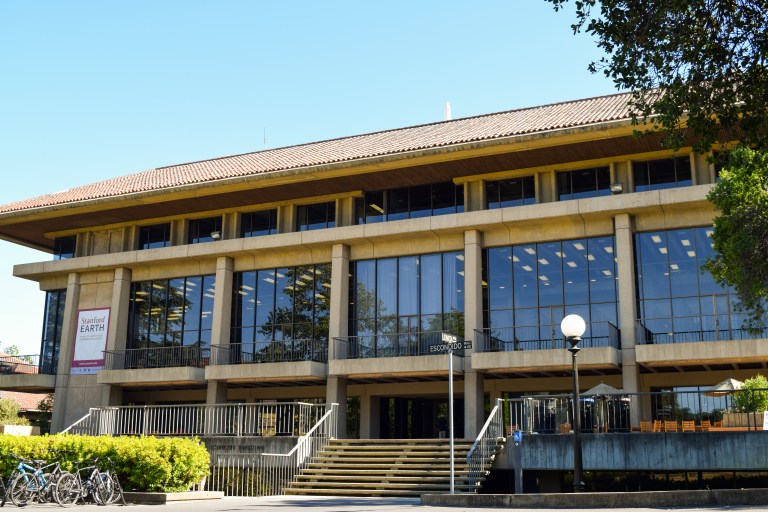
{"x": 388, "y": 130}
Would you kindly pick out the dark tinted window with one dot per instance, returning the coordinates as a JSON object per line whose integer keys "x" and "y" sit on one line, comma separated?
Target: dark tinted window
{"x": 204, "y": 230}
{"x": 258, "y": 223}
{"x": 584, "y": 183}
{"x": 512, "y": 192}
{"x": 158, "y": 235}
{"x": 663, "y": 173}
{"x": 64, "y": 247}
{"x": 316, "y": 216}
{"x": 410, "y": 203}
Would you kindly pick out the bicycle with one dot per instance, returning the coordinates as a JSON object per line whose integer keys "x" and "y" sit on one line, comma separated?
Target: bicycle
{"x": 33, "y": 479}
{"x": 100, "y": 484}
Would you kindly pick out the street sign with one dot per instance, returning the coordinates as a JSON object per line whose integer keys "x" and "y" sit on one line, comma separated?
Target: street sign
{"x": 450, "y": 342}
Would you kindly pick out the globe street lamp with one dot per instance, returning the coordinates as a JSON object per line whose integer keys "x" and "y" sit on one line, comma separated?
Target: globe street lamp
{"x": 573, "y": 327}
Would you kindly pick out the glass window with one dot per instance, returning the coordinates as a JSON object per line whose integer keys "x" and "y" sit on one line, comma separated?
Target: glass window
{"x": 55, "y": 301}
{"x": 204, "y": 230}
{"x": 584, "y": 183}
{"x": 258, "y": 223}
{"x": 64, "y": 247}
{"x": 157, "y": 235}
{"x": 410, "y": 202}
{"x": 677, "y": 300}
{"x": 663, "y": 173}
{"x": 422, "y": 293}
{"x": 316, "y": 216}
{"x": 511, "y": 192}
{"x": 168, "y": 312}
{"x": 286, "y": 305}
{"x": 540, "y": 283}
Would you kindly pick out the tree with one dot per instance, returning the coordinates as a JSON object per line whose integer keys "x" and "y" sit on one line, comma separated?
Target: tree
{"x": 753, "y": 395}
{"x": 9, "y": 413}
{"x": 740, "y": 233}
{"x": 695, "y": 63}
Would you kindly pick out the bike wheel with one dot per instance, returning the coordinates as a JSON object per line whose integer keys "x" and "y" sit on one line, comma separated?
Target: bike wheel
{"x": 67, "y": 490}
{"x": 102, "y": 492}
{"x": 117, "y": 490}
{"x": 22, "y": 489}
{"x": 44, "y": 492}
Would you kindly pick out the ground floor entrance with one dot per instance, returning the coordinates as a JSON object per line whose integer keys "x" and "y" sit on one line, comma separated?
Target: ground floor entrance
{"x": 418, "y": 418}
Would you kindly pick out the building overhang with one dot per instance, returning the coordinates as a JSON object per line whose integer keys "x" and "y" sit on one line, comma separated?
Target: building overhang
{"x": 176, "y": 376}
{"x": 28, "y": 382}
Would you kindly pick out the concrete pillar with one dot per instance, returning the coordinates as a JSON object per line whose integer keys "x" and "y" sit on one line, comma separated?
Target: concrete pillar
{"x": 66, "y": 351}
{"x": 336, "y": 393}
{"x": 474, "y": 196}
{"x": 345, "y": 211}
{"x": 285, "y": 219}
{"x": 370, "y": 417}
{"x": 222, "y": 322}
{"x": 118, "y": 328}
{"x": 474, "y": 382}
{"x": 339, "y": 313}
{"x": 625, "y": 257}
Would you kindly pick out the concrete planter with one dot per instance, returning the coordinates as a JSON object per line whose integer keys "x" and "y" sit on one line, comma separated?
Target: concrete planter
{"x": 20, "y": 430}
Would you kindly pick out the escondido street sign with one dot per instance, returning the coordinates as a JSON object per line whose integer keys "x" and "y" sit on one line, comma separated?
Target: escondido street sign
{"x": 450, "y": 342}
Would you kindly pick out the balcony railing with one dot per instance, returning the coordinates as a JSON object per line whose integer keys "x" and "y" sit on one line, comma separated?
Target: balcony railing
{"x": 691, "y": 329}
{"x": 28, "y": 364}
{"x": 544, "y": 337}
{"x": 668, "y": 410}
{"x": 270, "y": 352}
{"x": 387, "y": 345}
{"x": 273, "y": 419}
{"x": 157, "y": 357}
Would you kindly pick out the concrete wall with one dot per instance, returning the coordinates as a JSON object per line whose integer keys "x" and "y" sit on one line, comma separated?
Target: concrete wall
{"x": 690, "y": 451}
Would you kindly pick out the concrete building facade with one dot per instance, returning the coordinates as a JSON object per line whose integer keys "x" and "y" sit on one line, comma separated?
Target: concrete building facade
{"x": 325, "y": 272}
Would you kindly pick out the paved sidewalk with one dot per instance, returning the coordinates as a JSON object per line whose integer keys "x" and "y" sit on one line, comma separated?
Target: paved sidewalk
{"x": 327, "y": 504}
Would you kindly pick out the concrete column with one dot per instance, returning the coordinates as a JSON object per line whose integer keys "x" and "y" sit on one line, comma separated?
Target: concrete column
{"x": 339, "y": 313}
{"x": 336, "y": 393}
{"x": 285, "y": 219}
{"x": 222, "y": 322}
{"x": 370, "y": 417}
{"x": 345, "y": 211}
{"x": 66, "y": 351}
{"x": 625, "y": 257}
{"x": 118, "y": 328}
{"x": 474, "y": 196}
{"x": 474, "y": 382}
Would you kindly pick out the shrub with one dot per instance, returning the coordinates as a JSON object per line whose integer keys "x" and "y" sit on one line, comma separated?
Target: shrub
{"x": 142, "y": 463}
{"x": 753, "y": 395}
{"x": 9, "y": 413}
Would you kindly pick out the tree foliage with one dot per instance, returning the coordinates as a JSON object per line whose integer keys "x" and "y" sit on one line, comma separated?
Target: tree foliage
{"x": 740, "y": 234}
{"x": 695, "y": 63}
{"x": 9, "y": 413}
{"x": 753, "y": 395}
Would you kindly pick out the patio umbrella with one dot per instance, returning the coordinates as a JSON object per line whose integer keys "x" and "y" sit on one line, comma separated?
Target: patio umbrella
{"x": 725, "y": 387}
{"x": 603, "y": 389}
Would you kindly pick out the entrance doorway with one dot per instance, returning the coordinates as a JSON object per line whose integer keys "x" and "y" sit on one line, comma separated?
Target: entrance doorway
{"x": 419, "y": 418}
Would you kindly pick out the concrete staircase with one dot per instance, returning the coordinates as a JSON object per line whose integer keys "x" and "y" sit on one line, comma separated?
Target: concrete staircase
{"x": 385, "y": 467}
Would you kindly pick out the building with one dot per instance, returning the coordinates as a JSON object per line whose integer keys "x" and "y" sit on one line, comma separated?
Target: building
{"x": 325, "y": 271}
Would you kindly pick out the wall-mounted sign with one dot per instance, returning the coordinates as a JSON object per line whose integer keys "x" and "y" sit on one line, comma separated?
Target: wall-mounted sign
{"x": 90, "y": 340}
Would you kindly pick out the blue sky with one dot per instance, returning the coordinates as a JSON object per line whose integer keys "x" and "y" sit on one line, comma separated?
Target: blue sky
{"x": 94, "y": 90}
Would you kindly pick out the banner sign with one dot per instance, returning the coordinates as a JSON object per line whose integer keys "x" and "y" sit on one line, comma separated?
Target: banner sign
{"x": 90, "y": 341}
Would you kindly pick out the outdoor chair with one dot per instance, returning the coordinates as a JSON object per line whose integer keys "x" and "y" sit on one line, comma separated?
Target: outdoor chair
{"x": 646, "y": 426}
{"x": 705, "y": 425}
{"x": 689, "y": 426}
{"x": 565, "y": 428}
{"x": 670, "y": 426}
{"x": 657, "y": 425}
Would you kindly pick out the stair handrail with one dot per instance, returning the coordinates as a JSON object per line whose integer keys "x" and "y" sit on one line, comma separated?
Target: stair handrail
{"x": 287, "y": 465}
{"x": 81, "y": 420}
{"x": 479, "y": 458}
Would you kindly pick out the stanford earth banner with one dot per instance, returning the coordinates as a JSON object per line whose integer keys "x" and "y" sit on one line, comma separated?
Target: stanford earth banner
{"x": 90, "y": 340}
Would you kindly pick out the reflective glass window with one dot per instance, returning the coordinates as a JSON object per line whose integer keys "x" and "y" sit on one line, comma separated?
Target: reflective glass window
{"x": 584, "y": 183}
{"x": 510, "y": 192}
{"x": 316, "y": 216}
{"x": 258, "y": 223}
{"x": 157, "y": 235}
{"x": 662, "y": 173}
{"x": 64, "y": 247}
{"x": 53, "y": 321}
{"x": 410, "y": 202}
{"x": 203, "y": 230}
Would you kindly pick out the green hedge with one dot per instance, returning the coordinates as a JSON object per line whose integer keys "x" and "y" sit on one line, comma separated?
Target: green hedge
{"x": 142, "y": 463}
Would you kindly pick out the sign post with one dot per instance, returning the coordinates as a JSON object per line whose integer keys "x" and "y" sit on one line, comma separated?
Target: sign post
{"x": 450, "y": 342}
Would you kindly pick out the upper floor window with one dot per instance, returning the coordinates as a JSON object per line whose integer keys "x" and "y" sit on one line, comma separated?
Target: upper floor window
{"x": 660, "y": 174}
{"x": 316, "y": 216}
{"x": 410, "y": 202}
{"x": 204, "y": 230}
{"x": 52, "y": 329}
{"x": 584, "y": 183}
{"x": 64, "y": 247}
{"x": 720, "y": 160}
{"x": 258, "y": 223}
{"x": 171, "y": 312}
{"x": 512, "y": 192}
{"x": 157, "y": 235}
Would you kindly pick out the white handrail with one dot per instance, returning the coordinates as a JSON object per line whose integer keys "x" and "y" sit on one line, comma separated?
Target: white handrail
{"x": 65, "y": 431}
{"x": 479, "y": 456}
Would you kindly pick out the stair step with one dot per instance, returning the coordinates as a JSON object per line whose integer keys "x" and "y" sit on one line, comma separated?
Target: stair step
{"x": 363, "y": 492}
{"x": 379, "y": 485}
{"x": 378, "y": 478}
{"x": 424, "y": 471}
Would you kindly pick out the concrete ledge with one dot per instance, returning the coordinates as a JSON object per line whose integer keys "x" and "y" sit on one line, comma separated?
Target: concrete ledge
{"x": 651, "y": 499}
{"x": 161, "y": 498}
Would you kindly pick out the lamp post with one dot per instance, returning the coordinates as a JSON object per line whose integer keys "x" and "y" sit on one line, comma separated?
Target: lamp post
{"x": 573, "y": 327}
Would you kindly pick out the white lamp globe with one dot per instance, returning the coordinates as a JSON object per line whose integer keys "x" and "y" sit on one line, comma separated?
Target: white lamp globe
{"x": 573, "y": 326}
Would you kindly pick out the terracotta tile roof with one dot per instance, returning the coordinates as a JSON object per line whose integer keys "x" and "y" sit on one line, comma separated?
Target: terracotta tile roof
{"x": 447, "y": 133}
{"x": 14, "y": 364}
{"x": 26, "y": 401}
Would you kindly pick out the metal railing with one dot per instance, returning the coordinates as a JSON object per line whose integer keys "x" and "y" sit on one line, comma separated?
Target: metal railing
{"x": 265, "y": 474}
{"x": 28, "y": 364}
{"x": 479, "y": 459}
{"x": 270, "y": 352}
{"x": 624, "y": 412}
{"x": 387, "y": 345}
{"x": 157, "y": 357}
{"x": 271, "y": 419}
{"x": 678, "y": 330}
{"x": 544, "y": 337}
